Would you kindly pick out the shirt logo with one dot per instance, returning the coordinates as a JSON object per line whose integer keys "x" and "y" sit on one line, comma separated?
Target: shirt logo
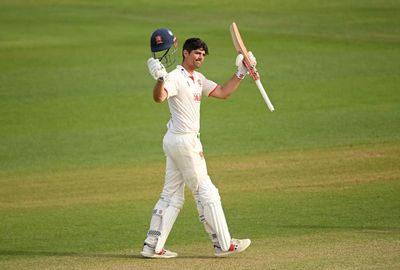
{"x": 197, "y": 97}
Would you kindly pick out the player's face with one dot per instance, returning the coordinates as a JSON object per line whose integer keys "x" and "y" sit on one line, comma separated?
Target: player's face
{"x": 195, "y": 58}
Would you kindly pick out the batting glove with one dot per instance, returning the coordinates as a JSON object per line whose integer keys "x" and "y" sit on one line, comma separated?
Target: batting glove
{"x": 242, "y": 70}
{"x": 156, "y": 69}
{"x": 252, "y": 58}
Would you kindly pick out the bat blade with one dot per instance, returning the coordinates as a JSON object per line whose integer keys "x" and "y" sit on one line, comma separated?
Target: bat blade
{"x": 250, "y": 65}
{"x": 241, "y": 48}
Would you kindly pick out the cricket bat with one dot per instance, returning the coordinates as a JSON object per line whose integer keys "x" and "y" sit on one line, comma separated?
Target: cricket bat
{"x": 241, "y": 48}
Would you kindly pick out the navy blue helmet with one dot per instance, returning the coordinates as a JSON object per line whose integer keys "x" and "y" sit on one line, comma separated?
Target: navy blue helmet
{"x": 163, "y": 46}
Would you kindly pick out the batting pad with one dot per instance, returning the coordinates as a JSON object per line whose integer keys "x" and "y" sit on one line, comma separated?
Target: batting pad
{"x": 167, "y": 221}
{"x": 214, "y": 216}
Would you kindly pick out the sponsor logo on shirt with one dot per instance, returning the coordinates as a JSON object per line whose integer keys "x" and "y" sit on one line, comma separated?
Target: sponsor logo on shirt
{"x": 197, "y": 97}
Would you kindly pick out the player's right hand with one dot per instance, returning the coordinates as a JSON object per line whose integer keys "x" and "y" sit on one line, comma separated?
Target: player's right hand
{"x": 253, "y": 58}
{"x": 156, "y": 68}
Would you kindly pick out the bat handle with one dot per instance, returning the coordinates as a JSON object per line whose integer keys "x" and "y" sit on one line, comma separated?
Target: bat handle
{"x": 264, "y": 95}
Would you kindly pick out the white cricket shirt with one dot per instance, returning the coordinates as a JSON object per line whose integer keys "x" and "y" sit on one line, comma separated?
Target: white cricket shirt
{"x": 185, "y": 91}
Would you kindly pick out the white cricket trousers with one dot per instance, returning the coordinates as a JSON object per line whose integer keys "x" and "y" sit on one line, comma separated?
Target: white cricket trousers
{"x": 185, "y": 165}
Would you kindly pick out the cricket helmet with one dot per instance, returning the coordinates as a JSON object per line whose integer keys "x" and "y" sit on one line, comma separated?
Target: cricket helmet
{"x": 163, "y": 46}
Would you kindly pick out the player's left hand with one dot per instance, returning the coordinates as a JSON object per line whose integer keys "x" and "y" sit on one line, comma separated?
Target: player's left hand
{"x": 242, "y": 70}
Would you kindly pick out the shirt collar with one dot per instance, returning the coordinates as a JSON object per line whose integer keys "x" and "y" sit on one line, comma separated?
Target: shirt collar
{"x": 181, "y": 68}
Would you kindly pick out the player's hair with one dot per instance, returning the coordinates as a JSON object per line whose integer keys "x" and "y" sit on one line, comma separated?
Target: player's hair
{"x": 194, "y": 44}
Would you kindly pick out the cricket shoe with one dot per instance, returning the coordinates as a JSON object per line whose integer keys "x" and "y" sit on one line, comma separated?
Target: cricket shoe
{"x": 237, "y": 246}
{"x": 149, "y": 252}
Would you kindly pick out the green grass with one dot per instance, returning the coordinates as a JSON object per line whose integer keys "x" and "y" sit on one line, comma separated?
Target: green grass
{"x": 315, "y": 184}
{"x": 333, "y": 208}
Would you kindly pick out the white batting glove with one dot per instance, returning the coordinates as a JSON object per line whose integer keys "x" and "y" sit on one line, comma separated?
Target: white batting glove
{"x": 252, "y": 58}
{"x": 242, "y": 70}
{"x": 156, "y": 69}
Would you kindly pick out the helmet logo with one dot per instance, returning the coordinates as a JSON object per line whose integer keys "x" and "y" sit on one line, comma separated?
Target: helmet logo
{"x": 158, "y": 40}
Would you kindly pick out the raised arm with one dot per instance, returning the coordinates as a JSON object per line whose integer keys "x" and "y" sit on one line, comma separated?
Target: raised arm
{"x": 230, "y": 86}
{"x": 159, "y": 93}
{"x": 227, "y": 89}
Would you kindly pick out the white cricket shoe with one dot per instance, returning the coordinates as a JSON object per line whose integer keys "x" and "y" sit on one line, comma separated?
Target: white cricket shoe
{"x": 149, "y": 252}
{"x": 237, "y": 246}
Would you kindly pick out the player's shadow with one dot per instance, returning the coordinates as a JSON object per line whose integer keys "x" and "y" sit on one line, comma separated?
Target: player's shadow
{"x": 34, "y": 253}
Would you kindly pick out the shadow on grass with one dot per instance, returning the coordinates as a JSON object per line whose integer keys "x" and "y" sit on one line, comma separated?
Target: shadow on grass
{"x": 33, "y": 253}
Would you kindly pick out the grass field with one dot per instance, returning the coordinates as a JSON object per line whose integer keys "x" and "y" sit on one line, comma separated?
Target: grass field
{"x": 315, "y": 185}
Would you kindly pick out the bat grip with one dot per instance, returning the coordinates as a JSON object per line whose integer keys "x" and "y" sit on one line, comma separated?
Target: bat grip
{"x": 252, "y": 70}
{"x": 264, "y": 95}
